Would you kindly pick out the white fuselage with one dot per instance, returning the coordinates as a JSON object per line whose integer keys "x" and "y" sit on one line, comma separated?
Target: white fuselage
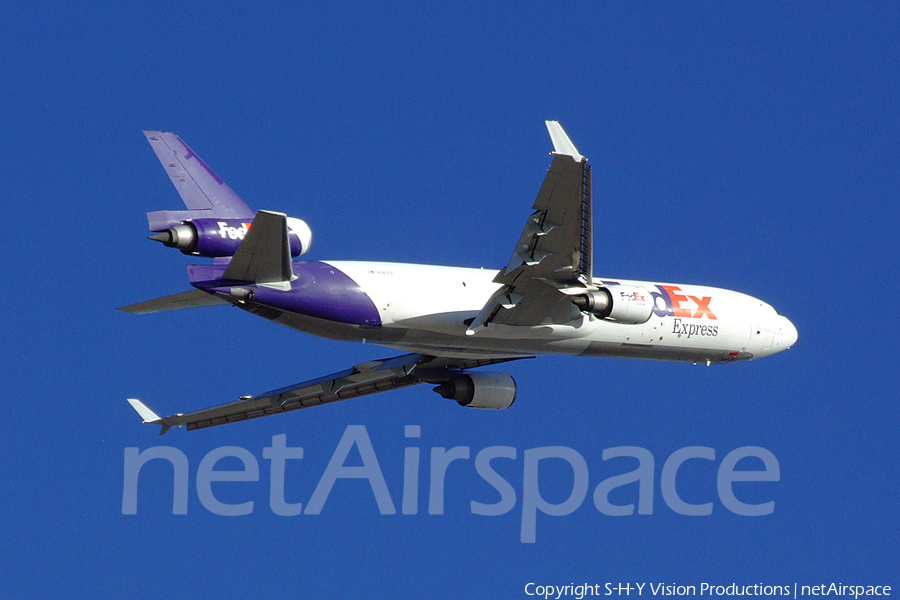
{"x": 425, "y": 309}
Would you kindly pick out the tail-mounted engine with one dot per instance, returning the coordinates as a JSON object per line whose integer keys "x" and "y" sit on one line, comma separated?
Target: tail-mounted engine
{"x": 480, "y": 390}
{"x": 221, "y": 237}
{"x": 621, "y": 303}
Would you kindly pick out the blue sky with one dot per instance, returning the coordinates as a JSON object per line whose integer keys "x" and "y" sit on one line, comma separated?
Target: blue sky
{"x": 751, "y": 146}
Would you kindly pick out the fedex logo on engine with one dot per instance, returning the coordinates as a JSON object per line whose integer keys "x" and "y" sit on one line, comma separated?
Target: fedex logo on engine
{"x": 632, "y": 297}
{"x": 232, "y": 233}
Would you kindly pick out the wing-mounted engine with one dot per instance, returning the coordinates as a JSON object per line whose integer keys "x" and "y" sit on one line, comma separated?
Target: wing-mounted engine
{"x": 221, "y": 237}
{"x": 621, "y": 303}
{"x": 480, "y": 390}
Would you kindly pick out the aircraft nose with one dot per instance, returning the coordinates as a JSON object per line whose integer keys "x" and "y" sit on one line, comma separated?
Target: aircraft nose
{"x": 787, "y": 333}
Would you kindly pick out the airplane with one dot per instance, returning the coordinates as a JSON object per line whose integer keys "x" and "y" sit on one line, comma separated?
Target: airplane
{"x": 448, "y": 320}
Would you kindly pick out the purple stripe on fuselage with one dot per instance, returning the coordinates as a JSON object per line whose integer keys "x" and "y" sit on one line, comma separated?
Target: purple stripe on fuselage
{"x": 320, "y": 290}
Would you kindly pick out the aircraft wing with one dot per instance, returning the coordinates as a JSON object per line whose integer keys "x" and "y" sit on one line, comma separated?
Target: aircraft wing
{"x": 554, "y": 250}
{"x": 361, "y": 380}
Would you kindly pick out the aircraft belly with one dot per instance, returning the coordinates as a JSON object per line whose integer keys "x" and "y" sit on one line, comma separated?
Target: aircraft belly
{"x": 325, "y": 328}
{"x": 671, "y": 338}
{"x": 502, "y": 340}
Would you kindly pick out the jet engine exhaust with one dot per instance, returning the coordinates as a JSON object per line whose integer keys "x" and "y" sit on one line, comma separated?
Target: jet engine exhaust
{"x": 598, "y": 303}
{"x": 622, "y": 303}
{"x": 480, "y": 390}
{"x": 183, "y": 237}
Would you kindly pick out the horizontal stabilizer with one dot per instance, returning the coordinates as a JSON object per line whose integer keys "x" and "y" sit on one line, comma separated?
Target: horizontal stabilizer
{"x": 264, "y": 255}
{"x": 191, "y": 299}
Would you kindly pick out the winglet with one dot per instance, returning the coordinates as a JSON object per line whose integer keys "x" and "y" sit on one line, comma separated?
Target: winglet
{"x": 561, "y": 142}
{"x": 147, "y": 415}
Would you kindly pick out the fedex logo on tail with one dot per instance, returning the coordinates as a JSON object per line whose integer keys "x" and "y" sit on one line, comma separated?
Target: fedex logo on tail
{"x": 232, "y": 233}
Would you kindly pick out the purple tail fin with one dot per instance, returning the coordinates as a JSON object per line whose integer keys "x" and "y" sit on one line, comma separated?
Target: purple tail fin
{"x": 204, "y": 193}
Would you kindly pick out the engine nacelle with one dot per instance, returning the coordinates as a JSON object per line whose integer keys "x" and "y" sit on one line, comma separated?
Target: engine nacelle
{"x": 480, "y": 390}
{"x": 622, "y": 303}
{"x": 221, "y": 237}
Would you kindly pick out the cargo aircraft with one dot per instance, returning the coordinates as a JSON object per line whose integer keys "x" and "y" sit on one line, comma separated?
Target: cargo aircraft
{"x": 448, "y": 320}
